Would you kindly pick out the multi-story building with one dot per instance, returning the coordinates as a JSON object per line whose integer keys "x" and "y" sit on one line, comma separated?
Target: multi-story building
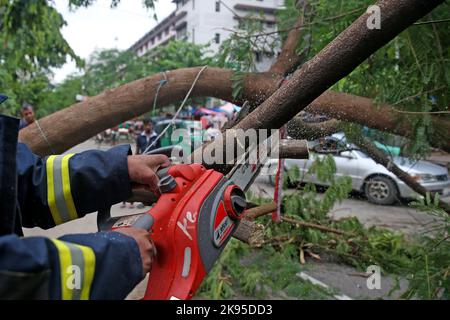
{"x": 210, "y": 21}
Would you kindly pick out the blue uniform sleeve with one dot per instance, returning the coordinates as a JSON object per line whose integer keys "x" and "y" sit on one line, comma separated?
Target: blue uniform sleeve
{"x": 105, "y": 265}
{"x": 57, "y": 189}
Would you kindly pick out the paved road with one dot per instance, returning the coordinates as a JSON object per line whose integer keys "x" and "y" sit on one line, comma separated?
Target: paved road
{"x": 396, "y": 217}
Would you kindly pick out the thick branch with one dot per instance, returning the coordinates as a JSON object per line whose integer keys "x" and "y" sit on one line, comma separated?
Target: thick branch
{"x": 294, "y": 149}
{"x": 81, "y": 121}
{"x": 123, "y": 103}
{"x": 298, "y": 129}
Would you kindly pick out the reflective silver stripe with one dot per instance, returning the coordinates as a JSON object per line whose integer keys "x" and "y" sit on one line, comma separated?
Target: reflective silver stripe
{"x": 186, "y": 263}
{"x": 77, "y": 260}
{"x": 59, "y": 192}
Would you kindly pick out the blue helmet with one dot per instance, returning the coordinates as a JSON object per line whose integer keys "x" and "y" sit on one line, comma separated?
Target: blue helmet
{"x": 3, "y": 98}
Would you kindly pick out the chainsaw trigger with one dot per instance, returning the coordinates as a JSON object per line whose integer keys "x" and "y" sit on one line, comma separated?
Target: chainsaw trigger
{"x": 184, "y": 170}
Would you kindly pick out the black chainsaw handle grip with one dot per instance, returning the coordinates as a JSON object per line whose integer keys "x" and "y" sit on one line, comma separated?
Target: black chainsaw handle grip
{"x": 167, "y": 151}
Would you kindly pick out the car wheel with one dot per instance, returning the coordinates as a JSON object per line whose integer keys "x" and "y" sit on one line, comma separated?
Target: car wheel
{"x": 381, "y": 190}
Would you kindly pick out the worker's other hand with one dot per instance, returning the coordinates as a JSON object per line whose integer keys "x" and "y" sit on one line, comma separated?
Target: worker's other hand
{"x": 142, "y": 170}
{"x": 147, "y": 247}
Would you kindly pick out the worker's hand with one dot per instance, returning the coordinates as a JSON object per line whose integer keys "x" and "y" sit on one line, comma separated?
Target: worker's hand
{"x": 146, "y": 246}
{"x": 142, "y": 170}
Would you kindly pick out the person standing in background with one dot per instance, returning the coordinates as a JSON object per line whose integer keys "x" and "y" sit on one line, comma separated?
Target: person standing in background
{"x": 28, "y": 116}
{"x": 147, "y": 138}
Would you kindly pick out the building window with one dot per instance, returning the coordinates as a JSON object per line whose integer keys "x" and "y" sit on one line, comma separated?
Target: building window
{"x": 217, "y": 38}
{"x": 181, "y": 3}
{"x": 182, "y": 33}
{"x": 217, "y": 6}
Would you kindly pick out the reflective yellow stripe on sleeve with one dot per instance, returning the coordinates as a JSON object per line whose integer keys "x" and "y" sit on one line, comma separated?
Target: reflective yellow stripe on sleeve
{"x": 66, "y": 187}
{"x": 89, "y": 271}
{"x": 59, "y": 194}
{"x": 51, "y": 191}
{"x": 65, "y": 261}
{"x": 77, "y": 267}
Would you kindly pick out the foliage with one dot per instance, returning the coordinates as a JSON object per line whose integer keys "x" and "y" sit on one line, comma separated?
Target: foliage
{"x": 424, "y": 262}
{"x": 240, "y": 49}
{"x": 31, "y": 44}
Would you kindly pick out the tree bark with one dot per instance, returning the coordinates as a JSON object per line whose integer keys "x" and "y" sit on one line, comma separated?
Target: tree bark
{"x": 294, "y": 149}
{"x": 298, "y": 129}
{"x": 253, "y": 213}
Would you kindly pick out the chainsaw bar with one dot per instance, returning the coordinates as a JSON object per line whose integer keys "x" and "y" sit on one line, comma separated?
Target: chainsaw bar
{"x": 244, "y": 173}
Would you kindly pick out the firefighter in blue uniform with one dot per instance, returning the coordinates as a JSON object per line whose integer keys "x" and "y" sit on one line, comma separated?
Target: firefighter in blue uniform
{"x": 46, "y": 192}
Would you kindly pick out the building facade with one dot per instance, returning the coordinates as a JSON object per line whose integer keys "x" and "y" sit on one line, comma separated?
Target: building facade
{"x": 210, "y": 21}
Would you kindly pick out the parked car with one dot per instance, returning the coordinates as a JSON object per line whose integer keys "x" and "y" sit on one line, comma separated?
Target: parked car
{"x": 192, "y": 128}
{"x": 379, "y": 185}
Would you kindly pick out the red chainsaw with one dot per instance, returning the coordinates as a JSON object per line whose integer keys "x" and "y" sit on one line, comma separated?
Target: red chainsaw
{"x": 191, "y": 223}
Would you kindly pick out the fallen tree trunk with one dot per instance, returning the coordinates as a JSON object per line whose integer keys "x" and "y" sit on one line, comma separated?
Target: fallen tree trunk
{"x": 71, "y": 126}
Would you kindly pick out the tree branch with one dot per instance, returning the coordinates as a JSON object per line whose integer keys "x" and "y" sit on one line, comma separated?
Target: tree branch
{"x": 289, "y": 60}
{"x": 298, "y": 129}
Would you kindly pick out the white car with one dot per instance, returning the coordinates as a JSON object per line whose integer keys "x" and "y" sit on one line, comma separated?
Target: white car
{"x": 379, "y": 185}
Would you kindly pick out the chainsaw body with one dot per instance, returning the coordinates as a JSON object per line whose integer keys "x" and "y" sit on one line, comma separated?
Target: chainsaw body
{"x": 191, "y": 223}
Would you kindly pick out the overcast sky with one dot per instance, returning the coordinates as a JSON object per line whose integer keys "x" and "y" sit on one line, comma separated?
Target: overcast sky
{"x": 100, "y": 27}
